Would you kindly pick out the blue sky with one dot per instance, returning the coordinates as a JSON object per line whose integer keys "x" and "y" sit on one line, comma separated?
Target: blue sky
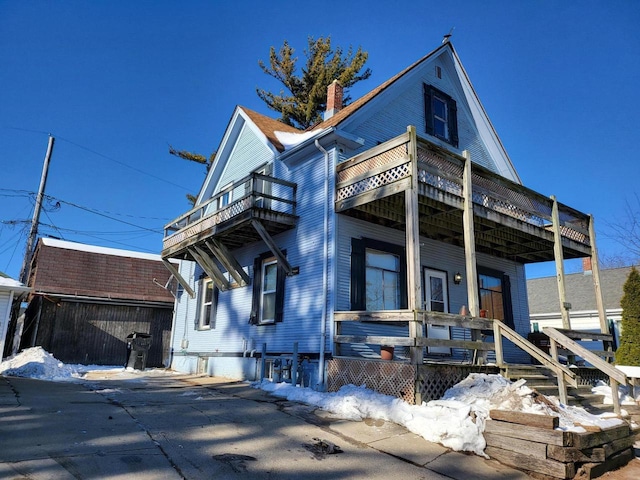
{"x": 117, "y": 82}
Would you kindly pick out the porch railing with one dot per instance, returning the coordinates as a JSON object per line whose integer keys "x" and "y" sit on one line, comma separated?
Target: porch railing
{"x": 386, "y": 169}
{"x": 566, "y": 338}
{"x": 500, "y": 332}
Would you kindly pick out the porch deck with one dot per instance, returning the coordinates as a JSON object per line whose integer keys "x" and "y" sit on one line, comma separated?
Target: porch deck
{"x": 510, "y": 220}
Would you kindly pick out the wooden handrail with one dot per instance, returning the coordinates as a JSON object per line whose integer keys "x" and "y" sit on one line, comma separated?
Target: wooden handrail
{"x": 589, "y": 356}
{"x": 535, "y": 352}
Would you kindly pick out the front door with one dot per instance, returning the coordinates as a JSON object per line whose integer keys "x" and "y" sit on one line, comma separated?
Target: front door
{"x": 436, "y": 299}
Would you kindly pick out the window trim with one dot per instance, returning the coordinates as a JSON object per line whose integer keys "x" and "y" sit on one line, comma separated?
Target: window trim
{"x": 256, "y": 303}
{"x": 505, "y": 282}
{"x": 359, "y": 247}
{"x": 200, "y": 319}
{"x": 431, "y": 93}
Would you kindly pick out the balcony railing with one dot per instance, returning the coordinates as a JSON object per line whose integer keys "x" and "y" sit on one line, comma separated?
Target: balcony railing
{"x": 386, "y": 170}
{"x": 255, "y": 196}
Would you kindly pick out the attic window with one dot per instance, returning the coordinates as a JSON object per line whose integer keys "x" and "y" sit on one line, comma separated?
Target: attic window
{"x": 441, "y": 115}
{"x": 438, "y": 71}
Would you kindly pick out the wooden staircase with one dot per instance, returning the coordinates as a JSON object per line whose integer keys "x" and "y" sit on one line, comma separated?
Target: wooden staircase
{"x": 543, "y": 380}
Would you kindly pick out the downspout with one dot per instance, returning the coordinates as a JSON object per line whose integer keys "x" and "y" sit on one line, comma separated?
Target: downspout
{"x": 325, "y": 267}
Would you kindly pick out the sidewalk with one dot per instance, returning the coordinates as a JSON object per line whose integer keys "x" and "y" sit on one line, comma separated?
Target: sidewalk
{"x": 193, "y": 427}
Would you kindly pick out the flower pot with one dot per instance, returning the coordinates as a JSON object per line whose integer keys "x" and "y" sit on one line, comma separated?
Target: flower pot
{"x": 386, "y": 352}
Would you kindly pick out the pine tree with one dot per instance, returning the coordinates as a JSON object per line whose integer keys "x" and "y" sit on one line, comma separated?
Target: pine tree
{"x": 193, "y": 157}
{"x": 308, "y": 91}
{"x": 629, "y": 351}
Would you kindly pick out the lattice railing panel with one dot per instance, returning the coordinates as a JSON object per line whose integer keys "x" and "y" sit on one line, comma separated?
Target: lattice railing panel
{"x": 371, "y": 183}
{"x": 389, "y": 378}
{"x": 209, "y": 221}
{"x": 361, "y": 168}
{"x": 434, "y": 380}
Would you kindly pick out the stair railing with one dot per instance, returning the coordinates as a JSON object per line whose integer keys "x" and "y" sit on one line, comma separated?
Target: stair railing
{"x": 563, "y": 374}
{"x": 616, "y": 376}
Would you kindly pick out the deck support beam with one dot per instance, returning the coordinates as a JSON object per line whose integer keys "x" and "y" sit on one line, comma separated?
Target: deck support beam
{"x": 209, "y": 267}
{"x": 282, "y": 260}
{"x": 226, "y": 258}
{"x": 595, "y": 268}
{"x": 559, "y": 257}
{"x": 174, "y": 271}
{"x": 412, "y": 239}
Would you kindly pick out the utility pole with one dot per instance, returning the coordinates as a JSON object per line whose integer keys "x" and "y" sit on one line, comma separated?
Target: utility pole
{"x": 33, "y": 232}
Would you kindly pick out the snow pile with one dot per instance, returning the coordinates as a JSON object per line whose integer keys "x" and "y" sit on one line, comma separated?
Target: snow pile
{"x": 455, "y": 421}
{"x": 35, "y": 362}
{"x": 625, "y": 394}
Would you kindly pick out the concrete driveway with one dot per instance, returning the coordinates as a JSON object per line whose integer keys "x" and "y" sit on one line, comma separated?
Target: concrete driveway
{"x": 188, "y": 427}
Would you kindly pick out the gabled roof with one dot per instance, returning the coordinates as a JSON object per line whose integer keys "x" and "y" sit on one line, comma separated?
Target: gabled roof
{"x": 543, "y": 292}
{"x": 268, "y": 126}
{"x": 493, "y": 143}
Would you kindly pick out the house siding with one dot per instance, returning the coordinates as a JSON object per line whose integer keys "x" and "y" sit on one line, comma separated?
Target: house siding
{"x": 248, "y": 153}
{"x": 394, "y": 114}
{"x": 231, "y": 334}
{"x": 439, "y": 256}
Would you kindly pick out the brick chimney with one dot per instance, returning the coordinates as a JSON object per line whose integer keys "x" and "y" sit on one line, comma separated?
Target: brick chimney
{"x": 586, "y": 265}
{"x": 334, "y": 99}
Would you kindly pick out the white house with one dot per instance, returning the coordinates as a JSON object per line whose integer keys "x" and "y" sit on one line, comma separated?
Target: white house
{"x": 10, "y": 290}
{"x": 349, "y": 236}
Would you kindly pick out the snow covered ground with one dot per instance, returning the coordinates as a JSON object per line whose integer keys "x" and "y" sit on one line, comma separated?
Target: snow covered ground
{"x": 456, "y": 421}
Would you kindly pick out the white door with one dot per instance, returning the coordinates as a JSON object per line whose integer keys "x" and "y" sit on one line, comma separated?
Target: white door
{"x": 436, "y": 299}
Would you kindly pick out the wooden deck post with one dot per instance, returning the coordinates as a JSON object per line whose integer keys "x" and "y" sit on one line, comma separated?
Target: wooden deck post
{"x": 595, "y": 268}
{"x": 473, "y": 297}
{"x": 414, "y": 286}
{"x": 558, "y": 255}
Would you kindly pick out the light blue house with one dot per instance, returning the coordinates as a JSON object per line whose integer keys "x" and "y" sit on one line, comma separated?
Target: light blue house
{"x": 355, "y": 234}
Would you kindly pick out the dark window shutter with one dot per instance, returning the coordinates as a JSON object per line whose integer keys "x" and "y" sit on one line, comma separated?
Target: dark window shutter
{"x": 280, "y": 276}
{"x": 453, "y": 122}
{"x": 358, "y": 280}
{"x": 214, "y": 306}
{"x": 428, "y": 109}
{"x": 506, "y": 301}
{"x": 257, "y": 286}
{"x": 196, "y": 323}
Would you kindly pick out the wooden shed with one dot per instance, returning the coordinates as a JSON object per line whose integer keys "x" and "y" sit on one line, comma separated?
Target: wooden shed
{"x": 86, "y": 300}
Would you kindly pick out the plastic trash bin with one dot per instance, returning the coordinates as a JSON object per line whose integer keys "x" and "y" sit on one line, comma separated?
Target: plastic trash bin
{"x": 138, "y": 345}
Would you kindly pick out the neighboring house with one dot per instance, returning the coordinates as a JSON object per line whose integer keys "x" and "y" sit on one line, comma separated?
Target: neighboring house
{"x": 544, "y": 304}
{"x": 86, "y": 300}
{"x": 10, "y": 290}
{"x": 348, "y": 236}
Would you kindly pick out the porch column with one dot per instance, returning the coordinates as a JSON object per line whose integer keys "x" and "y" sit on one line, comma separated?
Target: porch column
{"x": 414, "y": 287}
{"x": 595, "y": 269}
{"x": 469, "y": 240}
{"x": 558, "y": 255}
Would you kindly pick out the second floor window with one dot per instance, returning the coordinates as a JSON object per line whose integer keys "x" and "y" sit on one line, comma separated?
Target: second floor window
{"x": 441, "y": 115}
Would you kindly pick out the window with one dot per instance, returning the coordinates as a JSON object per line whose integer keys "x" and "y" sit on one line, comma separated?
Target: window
{"x": 208, "y": 304}
{"x": 225, "y": 198}
{"x": 495, "y": 295}
{"x": 268, "y": 291}
{"x": 378, "y": 275}
{"x": 441, "y": 115}
{"x": 382, "y": 280}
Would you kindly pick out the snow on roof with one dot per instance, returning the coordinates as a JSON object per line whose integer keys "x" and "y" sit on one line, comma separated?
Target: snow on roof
{"x": 82, "y": 247}
{"x": 9, "y": 282}
{"x": 290, "y": 139}
{"x": 447, "y": 421}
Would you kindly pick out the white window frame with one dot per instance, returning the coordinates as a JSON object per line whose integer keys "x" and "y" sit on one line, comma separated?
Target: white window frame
{"x": 204, "y": 323}
{"x": 225, "y": 199}
{"x": 437, "y": 119}
{"x": 263, "y": 292}
{"x": 397, "y": 288}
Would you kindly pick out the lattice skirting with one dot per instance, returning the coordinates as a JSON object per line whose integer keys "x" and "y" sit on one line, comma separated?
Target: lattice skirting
{"x": 590, "y": 376}
{"x": 434, "y": 380}
{"x": 390, "y": 378}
